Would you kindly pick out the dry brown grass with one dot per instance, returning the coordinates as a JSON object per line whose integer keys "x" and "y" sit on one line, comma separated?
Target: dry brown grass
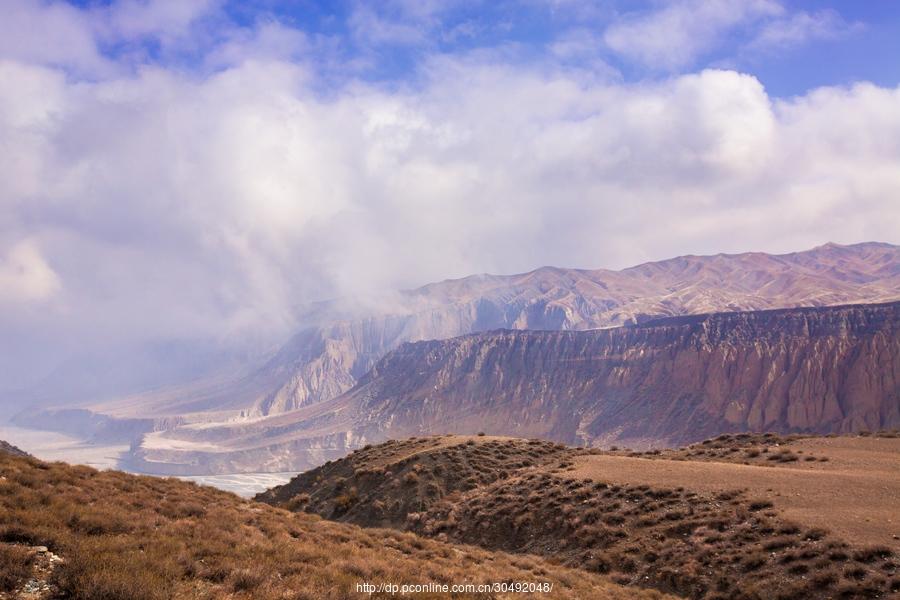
{"x": 725, "y": 544}
{"x": 15, "y": 566}
{"x": 381, "y": 485}
{"x": 129, "y": 537}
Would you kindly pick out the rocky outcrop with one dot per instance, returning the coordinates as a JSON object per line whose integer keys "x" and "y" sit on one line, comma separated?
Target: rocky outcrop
{"x": 8, "y": 448}
{"x": 664, "y": 382}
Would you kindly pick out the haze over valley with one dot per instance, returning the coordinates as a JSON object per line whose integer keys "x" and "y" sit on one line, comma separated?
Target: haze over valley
{"x": 241, "y": 424}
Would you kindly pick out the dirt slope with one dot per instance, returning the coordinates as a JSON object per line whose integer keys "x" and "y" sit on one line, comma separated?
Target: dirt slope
{"x": 856, "y": 494}
{"x": 815, "y": 521}
{"x": 73, "y": 532}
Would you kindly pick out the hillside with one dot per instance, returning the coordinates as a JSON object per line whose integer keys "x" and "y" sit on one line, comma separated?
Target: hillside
{"x": 664, "y": 382}
{"x": 6, "y": 447}
{"x": 73, "y": 532}
{"x": 817, "y": 522}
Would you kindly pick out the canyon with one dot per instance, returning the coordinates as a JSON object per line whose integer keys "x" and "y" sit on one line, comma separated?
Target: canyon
{"x": 661, "y": 383}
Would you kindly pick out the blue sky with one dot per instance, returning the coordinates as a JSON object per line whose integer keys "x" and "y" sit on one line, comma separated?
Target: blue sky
{"x": 231, "y": 161}
{"x": 810, "y": 43}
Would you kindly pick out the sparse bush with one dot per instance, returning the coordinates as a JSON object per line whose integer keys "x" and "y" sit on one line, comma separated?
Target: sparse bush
{"x": 297, "y": 502}
{"x": 245, "y": 580}
{"x": 824, "y": 579}
{"x": 815, "y": 534}
{"x": 872, "y": 553}
{"x": 15, "y": 566}
{"x": 778, "y": 543}
{"x": 854, "y": 572}
{"x": 753, "y": 561}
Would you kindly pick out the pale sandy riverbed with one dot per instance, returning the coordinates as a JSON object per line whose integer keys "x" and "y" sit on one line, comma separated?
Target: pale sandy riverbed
{"x": 52, "y": 446}
{"x": 242, "y": 484}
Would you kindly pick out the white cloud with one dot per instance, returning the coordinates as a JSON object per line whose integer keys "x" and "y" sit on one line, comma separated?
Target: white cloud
{"x": 800, "y": 28}
{"x": 25, "y": 276}
{"x": 157, "y": 204}
{"x": 371, "y": 27}
{"x": 55, "y": 33}
{"x": 52, "y": 33}
{"x": 131, "y": 19}
{"x": 676, "y": 34}
{"x": 233, "y": 198}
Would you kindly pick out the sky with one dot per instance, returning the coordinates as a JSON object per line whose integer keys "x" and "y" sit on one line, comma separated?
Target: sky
{"x": 193, "y": 171}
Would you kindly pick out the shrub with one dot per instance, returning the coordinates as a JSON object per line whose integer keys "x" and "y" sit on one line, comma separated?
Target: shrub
{"x": 872, "y": 553}
{"x": 753, "y": 561}
{"x": 297, "y": 502}
{"x": 778, "y": 543}
{"x": 759, "y": 505}
{"x": 343, "y": 502}
{"x": 855, "y": 572}
{"x": 824, "y": 579}
{"x": 244, "y": 580}
{"x": 100, "y": 569}
{"x": 815, "y": 534}
{"x": 15, "y": 566}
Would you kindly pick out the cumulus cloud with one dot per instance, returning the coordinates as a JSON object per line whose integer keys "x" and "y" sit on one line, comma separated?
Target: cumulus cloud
{"x": 25, "y": 276}
{"x": 675, "y": 35}
{"x": 802, "y": 27}
{"x": 157, "y": 203}
{"x": 53, "y": 33}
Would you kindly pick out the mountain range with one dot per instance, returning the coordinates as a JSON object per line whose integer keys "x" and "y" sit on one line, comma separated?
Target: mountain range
{"x": 349, "y": 375}
{"x": 324, "y": 360}
{"x": 662, "y": 383}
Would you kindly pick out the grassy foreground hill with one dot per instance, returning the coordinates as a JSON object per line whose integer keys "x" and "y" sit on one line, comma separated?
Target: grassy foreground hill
{"x": 739, "y": 517}
{"x": 74, "y": 532}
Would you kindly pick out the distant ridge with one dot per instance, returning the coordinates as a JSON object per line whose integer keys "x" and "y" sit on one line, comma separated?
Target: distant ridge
{"x": 10, "y": 449}
{"x": 345, "y": 340}
{"x": 663, "y": 383}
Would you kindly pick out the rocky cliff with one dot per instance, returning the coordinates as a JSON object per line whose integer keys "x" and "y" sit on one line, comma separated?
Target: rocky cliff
{"x": 664, "y": 382}
{"x": 669, "y": 381}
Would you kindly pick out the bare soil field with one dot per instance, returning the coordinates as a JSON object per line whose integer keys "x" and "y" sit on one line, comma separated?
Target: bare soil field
{"x": 855, "y": 493}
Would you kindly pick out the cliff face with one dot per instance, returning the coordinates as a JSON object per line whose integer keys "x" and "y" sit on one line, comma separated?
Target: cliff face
{"x": 670, "y": 381}
{"x": 666, "y": 382}
{"x": 327, "y": 359}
